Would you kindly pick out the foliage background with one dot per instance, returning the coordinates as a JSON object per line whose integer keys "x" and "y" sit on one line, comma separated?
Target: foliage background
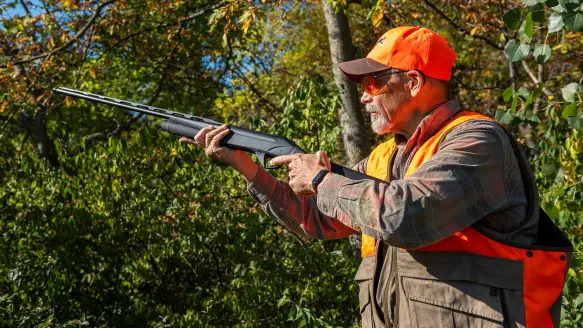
{"x": 106, "y": 221}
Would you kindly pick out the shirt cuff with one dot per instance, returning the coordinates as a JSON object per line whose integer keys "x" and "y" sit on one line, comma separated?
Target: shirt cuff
{"x": 262, "y": 186}
{"x": 328, "y": 192}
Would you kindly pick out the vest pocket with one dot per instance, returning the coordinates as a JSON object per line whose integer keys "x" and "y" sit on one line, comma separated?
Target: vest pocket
{"x": 433, "y": 303}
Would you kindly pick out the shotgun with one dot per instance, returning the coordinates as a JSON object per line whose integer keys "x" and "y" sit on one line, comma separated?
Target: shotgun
{"x": 263, "y": 145}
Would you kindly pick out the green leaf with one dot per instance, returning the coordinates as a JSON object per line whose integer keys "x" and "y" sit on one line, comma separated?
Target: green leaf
{"x": 528, "y": 26}
{"x": 516, "y": 51}
{"x": 283, "y": 301}
{"x": 542, "y": 53}
{"x": 512, "y": 18}
{"x": 514, "y": 103}
{"x": 573, "y": 20}
{"x": 559, "y": 9}
{"x": 570, "y": 5}
{"x": 532, "y": 116}
{"x": 555, "y": 23}
{"x": 579, "y": 300}
{"x": 538, "y": 13}
{"x": 523, "y": 92}
{"x": 528, "y": 100}
{"x": 576, "y": 122}
{"x": 529, "y": 3}
{"x": 507, "y": 94}
{"x": 569, "y": 91}
{"x": 570, "y": 110}
{"x": 503, "y": 116}
{"x": 525, "y": 31}
{"x": 549, "y": 169}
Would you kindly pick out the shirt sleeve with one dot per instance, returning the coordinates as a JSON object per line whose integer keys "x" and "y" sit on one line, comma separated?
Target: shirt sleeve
{"x": 298, "y": 214}
{"x": 460, "y": 184}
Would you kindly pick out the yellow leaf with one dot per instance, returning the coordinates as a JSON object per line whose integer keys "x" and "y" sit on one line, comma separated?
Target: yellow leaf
{"x": 173, "y": 152}
{"x": 93, "y": 74}
{"x": 246, "y": 25}
{"x": 474, "y": 30}
{"x": 3, "y": 106}
{"x": 376, "y": 18}
{"x": 69, "y": 4}
{"x": 69, "y": 102}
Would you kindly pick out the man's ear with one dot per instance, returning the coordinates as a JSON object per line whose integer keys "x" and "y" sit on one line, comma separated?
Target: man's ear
{"x": 416, "y": 82}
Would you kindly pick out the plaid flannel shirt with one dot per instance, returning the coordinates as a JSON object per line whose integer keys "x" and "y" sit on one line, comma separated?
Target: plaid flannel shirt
{"x": 473, "y": 174}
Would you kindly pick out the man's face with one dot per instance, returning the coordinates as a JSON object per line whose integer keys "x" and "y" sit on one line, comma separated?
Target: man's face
{"x": 389, "y": 109}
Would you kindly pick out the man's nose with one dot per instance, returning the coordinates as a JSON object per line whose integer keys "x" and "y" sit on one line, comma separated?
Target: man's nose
{"x": 366, "y": 98}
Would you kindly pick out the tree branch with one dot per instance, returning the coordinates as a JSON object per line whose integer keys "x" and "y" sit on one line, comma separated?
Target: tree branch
{"x": 534, "y": 79}
{"x": 71, "y": 41}
{"x": 461, "y": 28}
{"x": 254, "y": 90}
{"x": 127, "y": 124}
{"x": 186, "y": 19}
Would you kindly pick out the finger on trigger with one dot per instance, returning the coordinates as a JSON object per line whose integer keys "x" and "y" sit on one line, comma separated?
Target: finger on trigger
{"x": 282, "y": 160}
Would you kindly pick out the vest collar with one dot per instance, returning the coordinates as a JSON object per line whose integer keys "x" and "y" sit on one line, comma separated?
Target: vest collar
{"x": 430, "y": 125}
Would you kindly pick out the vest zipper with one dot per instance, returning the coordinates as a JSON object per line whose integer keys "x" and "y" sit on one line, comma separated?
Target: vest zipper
{"x": 506, "y": 322}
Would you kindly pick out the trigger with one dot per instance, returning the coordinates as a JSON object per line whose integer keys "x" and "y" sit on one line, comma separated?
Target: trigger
{"x": 261, "y": 158}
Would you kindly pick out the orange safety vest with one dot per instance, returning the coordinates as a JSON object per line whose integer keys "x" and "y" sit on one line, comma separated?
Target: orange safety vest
{"x": 544, "y": 266}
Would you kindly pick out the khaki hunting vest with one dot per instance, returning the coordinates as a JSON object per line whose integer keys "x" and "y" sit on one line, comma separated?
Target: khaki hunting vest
{"x": 468, "y": 279}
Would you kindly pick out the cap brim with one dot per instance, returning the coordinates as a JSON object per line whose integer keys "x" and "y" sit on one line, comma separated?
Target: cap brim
{"x": 355, "y": 70}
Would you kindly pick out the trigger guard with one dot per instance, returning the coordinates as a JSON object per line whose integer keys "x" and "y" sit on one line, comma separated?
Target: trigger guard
{"x": 261, "y": 158}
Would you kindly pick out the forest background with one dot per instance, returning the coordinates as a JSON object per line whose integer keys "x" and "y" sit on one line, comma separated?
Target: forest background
{"x": 106, "y": 221}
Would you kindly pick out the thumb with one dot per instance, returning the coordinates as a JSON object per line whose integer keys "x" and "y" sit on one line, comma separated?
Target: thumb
{"x": 323, "y": 158}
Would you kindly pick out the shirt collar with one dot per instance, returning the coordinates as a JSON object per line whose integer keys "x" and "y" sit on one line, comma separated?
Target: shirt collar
{"x": 430, "y": 125}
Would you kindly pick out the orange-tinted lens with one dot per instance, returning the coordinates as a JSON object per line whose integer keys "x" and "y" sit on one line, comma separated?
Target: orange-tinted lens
{"x": 370, "y": 85}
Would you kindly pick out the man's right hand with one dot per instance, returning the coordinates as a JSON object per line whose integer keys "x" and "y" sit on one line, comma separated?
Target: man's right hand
{"x": 209, "y": 139}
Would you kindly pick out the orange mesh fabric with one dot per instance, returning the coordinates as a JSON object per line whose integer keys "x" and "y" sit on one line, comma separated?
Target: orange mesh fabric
{"x": 376, "y": 166}
{"x": 544, "y": 271}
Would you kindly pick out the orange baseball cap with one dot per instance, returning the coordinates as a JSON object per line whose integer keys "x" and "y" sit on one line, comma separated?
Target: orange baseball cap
{"x": 405, "y": 48}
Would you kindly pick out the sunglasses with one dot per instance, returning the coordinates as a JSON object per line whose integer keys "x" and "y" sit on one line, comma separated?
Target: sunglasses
{"x": 373, "y": 86}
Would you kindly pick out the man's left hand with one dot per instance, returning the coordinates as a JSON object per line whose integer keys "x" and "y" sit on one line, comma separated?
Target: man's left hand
{"x": 303, "y": 169}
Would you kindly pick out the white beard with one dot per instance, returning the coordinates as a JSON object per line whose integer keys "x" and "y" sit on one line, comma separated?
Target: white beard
{"x": 378, "y": 122}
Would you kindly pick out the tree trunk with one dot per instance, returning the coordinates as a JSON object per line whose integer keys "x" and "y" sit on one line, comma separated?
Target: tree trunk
{"x": 351, "y": 118}
{"x": 354, "y": 131}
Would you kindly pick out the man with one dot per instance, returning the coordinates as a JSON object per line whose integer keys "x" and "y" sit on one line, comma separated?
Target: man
{"x": 454, "y": 238}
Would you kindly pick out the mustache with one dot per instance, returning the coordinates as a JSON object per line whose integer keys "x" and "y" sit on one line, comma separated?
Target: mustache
{"x": 370, "y": 108}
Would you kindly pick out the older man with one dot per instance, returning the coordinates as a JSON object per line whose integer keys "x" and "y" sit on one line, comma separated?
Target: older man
{"x": 454, "y": 237}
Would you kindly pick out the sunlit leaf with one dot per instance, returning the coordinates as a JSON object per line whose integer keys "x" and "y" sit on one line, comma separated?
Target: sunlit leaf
{"x": 570, "y": 110}
{"x": 377, "y": 17}
{"x": 569, "y": 91}
{"x": 555, "y": 22}
{"x": 516, "y": 51}
{"x": 507, "y": 94}
{"x": 542, "y": 53}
